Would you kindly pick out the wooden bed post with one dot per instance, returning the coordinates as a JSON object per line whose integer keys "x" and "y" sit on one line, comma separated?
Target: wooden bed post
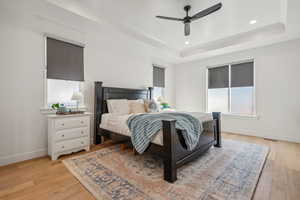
{"x": 150, "y": 92}
{"x": 98, "y": 111}
{"x": 217, "y": 118}
{"x": 169, "y": 133}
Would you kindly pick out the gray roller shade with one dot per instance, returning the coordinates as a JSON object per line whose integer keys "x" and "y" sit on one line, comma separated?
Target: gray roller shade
{"x": 64, "y": 60}
{"x": 218, "y": 77}
{"x": 242, "y": 75}
{"x": 158, "y": 77}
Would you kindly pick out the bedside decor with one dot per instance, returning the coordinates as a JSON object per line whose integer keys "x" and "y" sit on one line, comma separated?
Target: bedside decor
{"x": 70, "y": 112}
{"x": 68, "y": 134}
{"x": 164, "y": 104}
{"x": 151, "y": 106}
{"x": 55, "y": 106}
{"x": 77, "y": 96}
{"x": 62, "y": 109}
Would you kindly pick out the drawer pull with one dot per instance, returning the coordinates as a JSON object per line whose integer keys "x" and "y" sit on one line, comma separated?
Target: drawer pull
{"x": 62, "y": 124}
{"x": 81, "y": 122}
{"x": 81, "y": 142}
{"x": 81, "y": 132}
{"x": 63, "y": 147}
{"x": 63, "y": 136}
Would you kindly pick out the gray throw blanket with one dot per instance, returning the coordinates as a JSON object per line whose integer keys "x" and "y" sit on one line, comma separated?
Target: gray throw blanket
{"x": 144, "y": 127}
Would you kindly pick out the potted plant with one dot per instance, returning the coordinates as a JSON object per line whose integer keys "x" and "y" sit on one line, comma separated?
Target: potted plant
{"x": 60, "y": 108}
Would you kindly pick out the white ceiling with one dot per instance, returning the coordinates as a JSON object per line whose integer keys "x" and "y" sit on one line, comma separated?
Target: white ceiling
{"x": 227, "y": 27}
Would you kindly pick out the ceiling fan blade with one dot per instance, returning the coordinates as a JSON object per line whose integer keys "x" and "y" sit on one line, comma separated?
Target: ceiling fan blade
{"x": 187, "y": 29}
{"x": 170, "y": 18}
{"x": 206, "y": 12}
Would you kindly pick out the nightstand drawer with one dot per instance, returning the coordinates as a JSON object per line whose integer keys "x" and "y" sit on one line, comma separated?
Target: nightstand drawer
{"x": 71, "y": 144}
{"x": 71, "y": 123}
{"x": 71, "y": 133}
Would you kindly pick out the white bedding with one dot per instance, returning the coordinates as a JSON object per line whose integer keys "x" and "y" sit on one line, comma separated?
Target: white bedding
{"x": 117, "y": 123}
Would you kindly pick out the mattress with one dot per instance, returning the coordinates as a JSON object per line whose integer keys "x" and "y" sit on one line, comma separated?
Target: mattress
{"x": 118, "y": 124}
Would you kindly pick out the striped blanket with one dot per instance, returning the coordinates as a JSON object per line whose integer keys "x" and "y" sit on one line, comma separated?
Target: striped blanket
{"x": 144, "y": 127}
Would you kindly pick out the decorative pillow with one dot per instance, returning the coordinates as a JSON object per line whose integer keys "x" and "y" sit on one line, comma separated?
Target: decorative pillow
{"x": 136, "y": 100}
{"x": 118, "y": 106}
{"x": 137, "y": 106}
{"x": 152, "y": 106}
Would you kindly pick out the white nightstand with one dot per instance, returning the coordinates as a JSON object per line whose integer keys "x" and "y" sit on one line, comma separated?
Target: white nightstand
{"x": 68, "y": 134}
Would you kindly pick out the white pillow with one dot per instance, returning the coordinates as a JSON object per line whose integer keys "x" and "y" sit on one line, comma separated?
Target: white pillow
{"x": 118, "y": 106}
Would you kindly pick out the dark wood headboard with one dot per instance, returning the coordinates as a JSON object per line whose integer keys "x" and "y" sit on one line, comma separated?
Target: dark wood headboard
{"x": 104, "y": 93}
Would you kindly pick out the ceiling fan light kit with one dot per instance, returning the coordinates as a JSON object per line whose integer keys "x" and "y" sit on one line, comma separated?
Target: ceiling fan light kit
{"x": 188, "y": 19}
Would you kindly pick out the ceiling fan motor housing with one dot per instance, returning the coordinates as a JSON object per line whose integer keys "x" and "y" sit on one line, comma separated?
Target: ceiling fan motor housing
{"x": 187, "y": 19}
{"x": 187, "y": 8}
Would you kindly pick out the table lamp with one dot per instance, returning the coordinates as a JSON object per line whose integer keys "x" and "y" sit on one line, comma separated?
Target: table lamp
{"x": 160, "y": 99}
{"x": 77, "y": 96}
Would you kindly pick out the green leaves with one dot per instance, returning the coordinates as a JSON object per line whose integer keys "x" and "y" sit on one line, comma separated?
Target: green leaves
{"x": 55, "y": 106}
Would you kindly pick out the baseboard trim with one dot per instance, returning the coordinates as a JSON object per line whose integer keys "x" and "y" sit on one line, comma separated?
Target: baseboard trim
{"x": 265, "y": 136}
{"x": 5, "y": 160}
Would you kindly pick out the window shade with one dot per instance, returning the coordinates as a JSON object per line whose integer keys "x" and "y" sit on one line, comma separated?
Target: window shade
{"x": 242, "y": 75}
{"x": 218, "y": 77}
{"x": 158, "y": 77}
{"x": 64, "y": 60}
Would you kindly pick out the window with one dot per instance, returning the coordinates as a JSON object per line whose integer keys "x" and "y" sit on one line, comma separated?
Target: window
{"x": 158, "y": 82}
{"x": 65, "y": 71}
{"x": 231, "y": 89}
{"x": 158, "y": 92}
{"x": 61, "y": 91}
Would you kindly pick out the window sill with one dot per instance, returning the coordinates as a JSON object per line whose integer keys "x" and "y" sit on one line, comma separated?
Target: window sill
{"x": 47, "y": 110}
{"x": 240, "y": 116}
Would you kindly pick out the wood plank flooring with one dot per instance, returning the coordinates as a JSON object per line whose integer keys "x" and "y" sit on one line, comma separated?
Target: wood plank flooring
{"x": 44, "y": 179}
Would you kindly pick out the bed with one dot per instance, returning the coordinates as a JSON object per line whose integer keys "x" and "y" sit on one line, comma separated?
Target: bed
{"x": 168, "y": 143}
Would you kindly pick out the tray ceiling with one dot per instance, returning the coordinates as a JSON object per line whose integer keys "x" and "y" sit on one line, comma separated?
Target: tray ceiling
{"x": 236, "y": 23}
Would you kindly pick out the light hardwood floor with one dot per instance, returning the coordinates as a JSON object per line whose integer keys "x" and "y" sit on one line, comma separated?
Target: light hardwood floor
{"x": 44, "y": 179}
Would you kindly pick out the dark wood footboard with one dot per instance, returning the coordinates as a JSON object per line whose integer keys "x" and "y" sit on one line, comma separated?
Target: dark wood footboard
{"x": 175, "y": 153}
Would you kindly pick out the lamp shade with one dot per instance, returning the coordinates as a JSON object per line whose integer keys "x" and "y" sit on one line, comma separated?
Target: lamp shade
{"x": 77, "y": 96}
{"x": 160, "y": 99}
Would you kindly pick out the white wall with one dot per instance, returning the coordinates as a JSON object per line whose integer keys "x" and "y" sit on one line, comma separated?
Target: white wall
{"x": 277, "y": 70}
{"x": 114, "y": 58}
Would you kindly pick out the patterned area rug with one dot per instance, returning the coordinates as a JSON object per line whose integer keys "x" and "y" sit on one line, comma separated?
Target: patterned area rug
{"x": 227, "y": 173}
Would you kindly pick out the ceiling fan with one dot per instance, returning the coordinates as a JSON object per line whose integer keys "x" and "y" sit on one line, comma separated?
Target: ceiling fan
{"x": 188, "y": 19}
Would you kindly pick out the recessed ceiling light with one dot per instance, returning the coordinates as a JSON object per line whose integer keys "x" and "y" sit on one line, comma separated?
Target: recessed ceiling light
{"x": 187, "y": 42}
{"x": 253, "y": 22}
